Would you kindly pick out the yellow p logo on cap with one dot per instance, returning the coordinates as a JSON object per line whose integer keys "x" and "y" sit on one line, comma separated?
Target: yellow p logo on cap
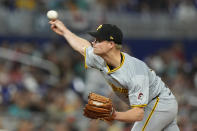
{"x": 111, "y": 37}
{"x": 100, "y": 26}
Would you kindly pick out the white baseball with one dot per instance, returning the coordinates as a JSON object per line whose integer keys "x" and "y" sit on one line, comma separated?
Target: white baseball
{"x": 52, "y": 14}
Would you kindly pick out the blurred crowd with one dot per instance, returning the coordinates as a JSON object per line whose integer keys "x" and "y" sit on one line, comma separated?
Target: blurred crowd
{"x": 29, "y": 102}
{"x": 126, "y": 6}
{"x": 44, "y": 86}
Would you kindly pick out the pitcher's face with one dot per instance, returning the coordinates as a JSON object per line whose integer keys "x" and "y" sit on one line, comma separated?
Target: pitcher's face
{"x": 101, "y": 47}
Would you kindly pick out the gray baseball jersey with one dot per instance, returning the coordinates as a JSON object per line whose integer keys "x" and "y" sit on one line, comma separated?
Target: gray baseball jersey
{"x": 133, "y": 82}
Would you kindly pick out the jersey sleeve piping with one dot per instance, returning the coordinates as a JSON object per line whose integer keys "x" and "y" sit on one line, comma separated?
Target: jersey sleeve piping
{"x": 86, "y": 66}
{"x": 139, "y": 105}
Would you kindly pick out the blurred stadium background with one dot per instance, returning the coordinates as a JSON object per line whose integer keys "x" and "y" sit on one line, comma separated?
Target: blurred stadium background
{"x": 43, "y": 84}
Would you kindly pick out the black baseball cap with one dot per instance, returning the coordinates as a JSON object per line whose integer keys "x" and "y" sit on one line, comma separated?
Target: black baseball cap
{"x": 108, "y": 32}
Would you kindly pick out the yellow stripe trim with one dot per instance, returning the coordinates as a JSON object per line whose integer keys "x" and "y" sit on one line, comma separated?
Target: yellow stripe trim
{"x": 146, "y": 123}
{"x": 115, "y": 69}
{"x": 139, "y": 105}
{"x": 85, "y": 59}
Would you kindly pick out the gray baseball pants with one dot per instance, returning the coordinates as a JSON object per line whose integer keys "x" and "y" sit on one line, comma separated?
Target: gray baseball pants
{"x": 160, "y": 115}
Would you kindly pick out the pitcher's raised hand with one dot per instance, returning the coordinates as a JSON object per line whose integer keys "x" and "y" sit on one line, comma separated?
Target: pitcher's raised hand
{"x": 58, "y": 27}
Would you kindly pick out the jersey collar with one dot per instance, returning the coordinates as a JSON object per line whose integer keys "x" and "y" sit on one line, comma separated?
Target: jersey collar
{"x": 115, "y": 69}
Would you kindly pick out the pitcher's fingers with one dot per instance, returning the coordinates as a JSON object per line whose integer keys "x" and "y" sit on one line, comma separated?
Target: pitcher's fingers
{"x": 53, "y": 26}
{"x": 51, "y": 22}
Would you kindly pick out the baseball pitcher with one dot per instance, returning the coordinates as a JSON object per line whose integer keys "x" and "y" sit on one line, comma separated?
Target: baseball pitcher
{"x": 153, "y": 107}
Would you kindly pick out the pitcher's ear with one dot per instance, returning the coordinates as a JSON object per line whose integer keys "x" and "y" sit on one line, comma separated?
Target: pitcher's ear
{"x": 112, "y": 44}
